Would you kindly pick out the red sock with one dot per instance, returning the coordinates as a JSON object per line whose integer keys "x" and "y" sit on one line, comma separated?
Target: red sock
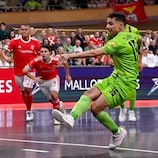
{"x": 56, "y": 104}
{"x": 28, "y": 99}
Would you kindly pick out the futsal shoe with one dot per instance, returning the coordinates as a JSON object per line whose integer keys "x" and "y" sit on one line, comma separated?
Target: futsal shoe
{"x": 117, "y": 138}
{"x": 65, "y": 119}
{"x": 56, "y": 122}
{"x": 29, "y": 116}
{"x": 131, "y": 115}
{"x": 122, "y": 115}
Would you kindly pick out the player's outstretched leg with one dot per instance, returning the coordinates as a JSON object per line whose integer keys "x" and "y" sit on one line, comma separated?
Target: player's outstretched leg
{"x": 118, "y": 133}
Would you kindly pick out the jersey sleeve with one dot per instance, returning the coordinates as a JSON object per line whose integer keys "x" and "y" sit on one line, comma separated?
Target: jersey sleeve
{"x": 55, "y": 59}
{"x": 110, "y": 47}
{"x": 32, "y": 64}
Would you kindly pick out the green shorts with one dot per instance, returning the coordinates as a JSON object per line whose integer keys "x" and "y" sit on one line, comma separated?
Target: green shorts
{"x": 115, "y": 90}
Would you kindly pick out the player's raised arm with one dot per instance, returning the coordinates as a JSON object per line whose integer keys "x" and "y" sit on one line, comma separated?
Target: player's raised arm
{"x": 85, "y": 54}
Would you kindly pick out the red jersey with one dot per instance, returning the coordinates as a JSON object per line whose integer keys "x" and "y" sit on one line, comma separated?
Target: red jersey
{"x": 97, "y": 41}
{"x": 46, "y": 70}
{"x": 23, "y": 52}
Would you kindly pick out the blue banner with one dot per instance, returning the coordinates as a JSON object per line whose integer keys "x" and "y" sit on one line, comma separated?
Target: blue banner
{"x": 85, "y": 77}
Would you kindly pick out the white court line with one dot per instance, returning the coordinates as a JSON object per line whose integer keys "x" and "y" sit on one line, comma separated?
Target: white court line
{"x": 78, "y": 145}
{"x": 38, "y": 151}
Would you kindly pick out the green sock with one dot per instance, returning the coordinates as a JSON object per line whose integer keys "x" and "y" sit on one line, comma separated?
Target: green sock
{"x": 122, "y": 106}
{"x": 131, "y": 107}
{"x": 105, "y": 119}
{"x": 132, "y": 102}
{"x": 80, "y": 107}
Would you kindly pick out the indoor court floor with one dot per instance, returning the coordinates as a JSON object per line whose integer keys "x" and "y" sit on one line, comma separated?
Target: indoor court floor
{"x": 88, "y": 139}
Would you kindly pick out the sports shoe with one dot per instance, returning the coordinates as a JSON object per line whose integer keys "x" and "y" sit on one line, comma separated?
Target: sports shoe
{"x": 65, "y": 119}
{"x": 29, "y": 116}
{"x": 56, "y": 122}
{"x": 62, "y": 110}
{"x": 131, "y": 115}
{"x": 122, "y": 114}
{"x": 116, "y": 139}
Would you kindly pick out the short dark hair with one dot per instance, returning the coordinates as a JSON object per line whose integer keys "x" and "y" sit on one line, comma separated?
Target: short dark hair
{"x": 47, "y": 47}
{"x": 119, "y": 16}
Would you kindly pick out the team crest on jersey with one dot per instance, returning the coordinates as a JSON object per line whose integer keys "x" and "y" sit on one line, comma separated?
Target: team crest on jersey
{"x": 32, "y": 47}
{"x": 112, "y": 44}
{"x": 19, "y": 46}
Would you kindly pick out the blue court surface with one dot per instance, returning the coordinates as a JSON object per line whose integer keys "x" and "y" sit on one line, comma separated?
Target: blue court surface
{"x": 88, "y": 139}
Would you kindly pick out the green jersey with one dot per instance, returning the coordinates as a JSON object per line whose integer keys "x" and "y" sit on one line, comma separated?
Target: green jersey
{"x": 124, "y": 49}
{"x": 130, "y": 28}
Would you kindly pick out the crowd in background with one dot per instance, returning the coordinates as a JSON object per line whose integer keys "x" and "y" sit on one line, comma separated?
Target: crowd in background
{"x": 34, "y": 5}
{"x": 78, "y": 41}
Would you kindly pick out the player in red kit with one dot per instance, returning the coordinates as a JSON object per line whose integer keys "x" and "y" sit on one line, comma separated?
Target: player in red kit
{"x": 47, "y": 75}
{"x": 24, "y": 49}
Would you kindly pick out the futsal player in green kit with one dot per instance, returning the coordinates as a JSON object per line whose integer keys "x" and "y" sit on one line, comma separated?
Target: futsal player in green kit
{"x": 123, "y": 109}
{"x": 113, "y": 90}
